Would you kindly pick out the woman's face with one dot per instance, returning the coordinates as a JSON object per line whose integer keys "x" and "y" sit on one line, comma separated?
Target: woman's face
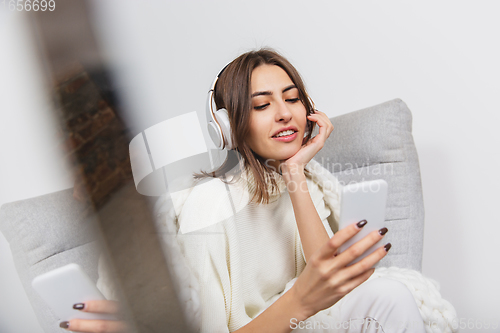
{"x": 275, "y": 107}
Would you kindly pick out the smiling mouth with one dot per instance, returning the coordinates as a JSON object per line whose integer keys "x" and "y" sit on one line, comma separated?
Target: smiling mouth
{"x": 286, "y": 138}
{"x": 284, "y": 134}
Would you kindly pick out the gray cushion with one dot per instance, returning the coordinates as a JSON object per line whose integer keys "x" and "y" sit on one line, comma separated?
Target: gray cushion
{"x": 45, "y": 233}
{"x": 377, "y": 143}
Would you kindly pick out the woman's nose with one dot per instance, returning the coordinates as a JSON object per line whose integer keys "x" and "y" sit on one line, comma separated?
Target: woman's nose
{"x": 282, "y": 112}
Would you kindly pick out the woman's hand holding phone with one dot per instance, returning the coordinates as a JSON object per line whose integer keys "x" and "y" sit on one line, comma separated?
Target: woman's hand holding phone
{"x": 88, "y": 325}
{"x": 327, "y": 278}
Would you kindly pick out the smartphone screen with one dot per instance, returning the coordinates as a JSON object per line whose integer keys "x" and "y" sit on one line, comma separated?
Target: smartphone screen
{"x": 363, "y": 201}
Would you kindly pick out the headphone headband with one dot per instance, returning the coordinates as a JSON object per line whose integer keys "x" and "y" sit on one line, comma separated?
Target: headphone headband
{"x": 218, "y": 122}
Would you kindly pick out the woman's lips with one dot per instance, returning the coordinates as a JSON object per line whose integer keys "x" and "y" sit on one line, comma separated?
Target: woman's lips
{"x": 287, "y": 138}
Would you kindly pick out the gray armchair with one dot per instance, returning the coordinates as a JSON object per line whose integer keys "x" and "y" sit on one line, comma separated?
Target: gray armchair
{"x": 50, "y": 231}
{"x": 377, "y": 143}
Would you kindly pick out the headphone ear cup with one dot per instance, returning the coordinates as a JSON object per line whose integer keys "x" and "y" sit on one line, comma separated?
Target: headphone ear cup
{"x": 223, "y": 119}
{"x": 216, "y": 137}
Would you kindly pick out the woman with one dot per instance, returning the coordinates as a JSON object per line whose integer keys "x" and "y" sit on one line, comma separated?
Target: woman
{"x": 252, "y": 271}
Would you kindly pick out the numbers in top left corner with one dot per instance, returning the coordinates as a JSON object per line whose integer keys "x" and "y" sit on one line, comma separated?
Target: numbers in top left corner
{"x": 29, "y": 5}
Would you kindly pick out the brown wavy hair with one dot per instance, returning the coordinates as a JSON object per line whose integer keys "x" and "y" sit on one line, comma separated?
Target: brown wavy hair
{"x": 232, "y": 92}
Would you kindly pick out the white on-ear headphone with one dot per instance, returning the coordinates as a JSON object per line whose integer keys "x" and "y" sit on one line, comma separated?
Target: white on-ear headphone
{"x": 219, "y": 127}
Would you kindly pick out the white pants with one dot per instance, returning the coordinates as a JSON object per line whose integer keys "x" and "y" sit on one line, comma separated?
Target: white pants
{"x": 377, "y": 306}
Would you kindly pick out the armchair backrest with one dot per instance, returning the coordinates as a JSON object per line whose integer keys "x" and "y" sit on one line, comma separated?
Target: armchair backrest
{"x": 377, "y": 143}
{"x": 45, "y": 233}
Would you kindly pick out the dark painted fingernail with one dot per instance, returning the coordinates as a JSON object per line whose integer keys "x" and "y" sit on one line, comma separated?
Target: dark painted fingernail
{"x": 64, "y": 324}
{"x": 78, "y": 306}
{"x": 387, "y": 247}
{"x": 361, "y": 223}
{"x": 382, "y": 231}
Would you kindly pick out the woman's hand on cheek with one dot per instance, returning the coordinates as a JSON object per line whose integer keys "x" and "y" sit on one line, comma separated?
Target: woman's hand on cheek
{"x": 91, "y": 325}
{"x": 311, "y": 148}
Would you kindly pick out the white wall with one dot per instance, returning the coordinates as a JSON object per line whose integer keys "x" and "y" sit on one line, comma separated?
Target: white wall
{"x": 31, "y": 165}
{"x": 439, "y": 57}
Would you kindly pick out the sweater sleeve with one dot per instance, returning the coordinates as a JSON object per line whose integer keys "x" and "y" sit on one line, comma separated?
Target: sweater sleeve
{"x": 322, "y": 209}
{"x": 317, "y": 198}
{"x": 205, "y": 255}
{"x": 199, "y": 263}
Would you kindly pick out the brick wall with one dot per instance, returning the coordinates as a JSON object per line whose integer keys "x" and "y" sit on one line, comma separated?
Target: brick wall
{"x": 92, "y": 137}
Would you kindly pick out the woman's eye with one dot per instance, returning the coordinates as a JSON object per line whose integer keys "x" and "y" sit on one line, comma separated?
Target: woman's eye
{"x": 260, "y": 107}
{"x": 292, "y": 100}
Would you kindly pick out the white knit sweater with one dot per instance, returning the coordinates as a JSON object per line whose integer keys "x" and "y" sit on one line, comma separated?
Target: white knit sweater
{"x": 231, "y": 268}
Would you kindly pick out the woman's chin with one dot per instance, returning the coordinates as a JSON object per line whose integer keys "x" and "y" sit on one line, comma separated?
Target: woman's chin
{"x": 280, "y": 153}
{"x": 287, "y": 153}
